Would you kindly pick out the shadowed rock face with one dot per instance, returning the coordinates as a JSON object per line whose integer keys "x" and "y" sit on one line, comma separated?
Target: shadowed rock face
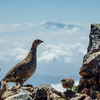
{"x": 91, "y": 66}
{"x": 91, "y": 61}
{"x": 90, "y": 70}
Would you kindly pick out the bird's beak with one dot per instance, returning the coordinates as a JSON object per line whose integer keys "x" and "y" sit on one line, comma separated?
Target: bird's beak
{"x": 42, "y": 41}
{"x": 61, "y": 80}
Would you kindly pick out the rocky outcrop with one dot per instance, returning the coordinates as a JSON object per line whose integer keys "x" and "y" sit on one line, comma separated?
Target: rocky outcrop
{"x": 90, "y": 70}
{"x": 28, "y": 92}
{"x": 21, "y": 96}
{"x": 42, "y": 92}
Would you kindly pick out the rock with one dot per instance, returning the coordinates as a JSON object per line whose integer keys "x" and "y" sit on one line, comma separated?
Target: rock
{"x": 3, "y": 88}
{"x": 21, "y": 96}
{"x": 88, "y": 98}
{"x": 27, "y": 92}
{"x": 94, "y": 43}
{"x": 16, "y": 90}
{"x": 90, "y": 70}
{"x": 80, "y": 97}
{"x": 91, "y": 61}
{"x": 45, "y": 91}
{"x": 68, "y": 93}
{"x": 7, "y": 94}
{"x": 91, "y": 93}
{"x": 42, "y": 92}
{"x": 91, "y": 67}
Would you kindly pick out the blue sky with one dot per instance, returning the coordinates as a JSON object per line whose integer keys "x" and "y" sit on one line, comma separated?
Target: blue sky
{"x": 38, "y": 10}
{"x": 63, "y": 25}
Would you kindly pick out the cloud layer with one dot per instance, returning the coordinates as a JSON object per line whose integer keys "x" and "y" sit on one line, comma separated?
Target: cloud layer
{"x": 16, "y": 53}
{"x": 62, "y": 27}
{"x": 61, "y": 51}
{"x": 63, "y": 48}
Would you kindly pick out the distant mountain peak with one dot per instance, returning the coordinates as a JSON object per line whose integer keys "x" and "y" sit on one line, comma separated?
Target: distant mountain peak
{"x": 50, "y": 24}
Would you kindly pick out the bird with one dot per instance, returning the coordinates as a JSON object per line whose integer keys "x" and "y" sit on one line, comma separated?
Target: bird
{"x": 22, "y": 71}
{"x": 67, "y": 83}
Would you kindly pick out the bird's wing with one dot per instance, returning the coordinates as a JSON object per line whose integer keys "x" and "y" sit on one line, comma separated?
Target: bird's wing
{"x": 16, "y": 71}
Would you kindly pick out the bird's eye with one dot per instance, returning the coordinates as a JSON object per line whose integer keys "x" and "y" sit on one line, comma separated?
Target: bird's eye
{"x": 37, "y": 40}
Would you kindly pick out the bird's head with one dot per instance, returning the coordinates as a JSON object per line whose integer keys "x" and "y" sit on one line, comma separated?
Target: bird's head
{"x": 37, "y": 42}
{"x": 63, "y": 80}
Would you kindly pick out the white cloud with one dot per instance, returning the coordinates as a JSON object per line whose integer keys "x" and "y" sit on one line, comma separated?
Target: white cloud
{"x": 68, "y": 59}
{"x": 74, "y": 29}
{"x": 16, "y": 27}
{"x": 66, "y": 31}
{"x": 65, "y": 27}
{"x": 82, "y": 51}
{"x": 84, "y": 38}
{"x": 17, "y": 53}
{"x": 53, "y": 27}
{"x": 18, "y": 44}
{"x": 81, "y": 48}
{"x": 51, "y": 53}
{"x": 58, "y": 87}
{"x": 61, "y": 27}
{"x": 3, "y": 56}
{"x": 47, "y": 57}
{"x": 60, "y": 49}
{"x": 61, "y": 52}
{"x": 54, "y": 52}
{"x": 76, "y": 45}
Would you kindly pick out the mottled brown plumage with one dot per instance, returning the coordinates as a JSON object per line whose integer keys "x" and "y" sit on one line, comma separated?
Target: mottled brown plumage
{"x": 24, "y": 69}
{"x": 67, "y": 83}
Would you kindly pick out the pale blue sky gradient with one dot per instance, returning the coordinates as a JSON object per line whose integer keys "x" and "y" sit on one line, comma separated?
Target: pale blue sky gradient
{"x": 33, "y": 11}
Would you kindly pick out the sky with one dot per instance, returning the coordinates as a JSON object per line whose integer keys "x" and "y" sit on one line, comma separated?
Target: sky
{"x": 63, "y": 25}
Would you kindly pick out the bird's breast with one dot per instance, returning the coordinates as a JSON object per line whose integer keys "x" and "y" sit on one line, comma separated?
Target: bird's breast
{"x": 32, "y": 69}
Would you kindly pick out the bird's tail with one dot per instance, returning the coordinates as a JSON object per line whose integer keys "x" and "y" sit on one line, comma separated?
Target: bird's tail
{"x": 4, "y": 80}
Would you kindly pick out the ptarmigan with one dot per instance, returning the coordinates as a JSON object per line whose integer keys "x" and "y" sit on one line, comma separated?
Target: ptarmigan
{"x": 24, "y": 69}
{"x": 67, "y": 83}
